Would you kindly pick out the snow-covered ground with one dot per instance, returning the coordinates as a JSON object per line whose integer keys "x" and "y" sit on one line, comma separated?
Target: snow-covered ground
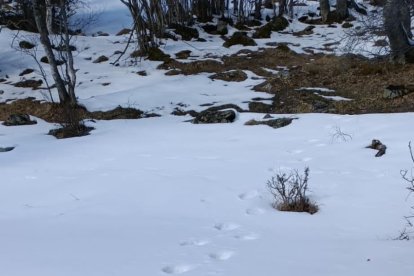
{"x": 162, "y": 196}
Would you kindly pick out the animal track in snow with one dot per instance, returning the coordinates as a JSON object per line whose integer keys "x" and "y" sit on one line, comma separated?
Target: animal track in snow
{"x": 254, "y": 211}
{"x": 172, "y": 157}
{"x": 321, "y": 145}
{"x": 221, "y": 255}
{"x": 247, "y": 237}
{"x": 226, "y": 226}
{"x": 177, "y": 269}
{"x": 249, "y": 195}
{"x": 194, "y": 242}
{"x": 208, "y": 157}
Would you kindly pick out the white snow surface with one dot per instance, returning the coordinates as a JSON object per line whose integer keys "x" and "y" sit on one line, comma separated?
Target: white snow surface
{"x": 161, "y": 196}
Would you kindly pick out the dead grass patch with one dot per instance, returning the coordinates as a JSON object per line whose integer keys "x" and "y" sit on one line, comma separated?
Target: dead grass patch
{"x": 55, "y": 113}
{"x": 274, "y": 123}
{"x": 289, "y": 191}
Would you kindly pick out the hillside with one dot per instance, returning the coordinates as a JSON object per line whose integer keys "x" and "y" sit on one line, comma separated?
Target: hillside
{"x": 163, "y": 194}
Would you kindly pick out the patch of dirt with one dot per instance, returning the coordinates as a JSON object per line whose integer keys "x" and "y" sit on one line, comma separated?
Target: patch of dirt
{"x": 183, "y": 54}
{"x": 34, "y": 84}
{"x": 274, "y": 123}
{"x": 186, "y": 33}
{"x": 117, "y": 113}
{"x": 351, "y": 76}
{"x": 44, "y": 59}
{"x": 70, "y": 132}
{"x": 233, "y": 75}
{"x": 124, "y": 31}
{"x": 54, "y": 113}
{"x": 101, "y": 59}
{"x": 239, "y": 38}
{"x": 26, "y": 72}
{"x": 26, "y": 45}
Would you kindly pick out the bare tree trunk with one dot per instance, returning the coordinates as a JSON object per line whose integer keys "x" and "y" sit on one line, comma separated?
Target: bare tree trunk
{"x": 342, "y": 9}
{"x": 70, "y": 67}
{"x": 258, "y": 9}
{"x": 203, "y": 10}
{"x": 49, "y": 16}
{"x": 282, "y": 7}
{"x": 240, "y": 16}
{"x": 291, "y": 4}
{"x": 38, "y": 13}
{"x": 268, "y": 4}
{"x": 397, "y": 23}
{"x": 325, "y": 9}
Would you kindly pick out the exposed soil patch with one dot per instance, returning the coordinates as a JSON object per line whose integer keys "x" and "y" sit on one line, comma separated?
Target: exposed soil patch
{"x": 19, "y": 120}
{"x": 117, "y": 113}
{"x": 233, "y": 75}
{"x": 285, "y": 75}
{"x": 183, "y": 54}
{"x": 26, "y": 72}
{"x": 34, "y": 84}
{"x": 239, "y": 38}
{"x": 69, "y": 132}
{"x": 354, "y": 77}
{"x": 274, "y": 123}
{"x": 101, "y": 59}
{"x": 54, "y": 113}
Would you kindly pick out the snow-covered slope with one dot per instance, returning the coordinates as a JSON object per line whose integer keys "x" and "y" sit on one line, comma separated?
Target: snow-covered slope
{"x": 161, "y": 196}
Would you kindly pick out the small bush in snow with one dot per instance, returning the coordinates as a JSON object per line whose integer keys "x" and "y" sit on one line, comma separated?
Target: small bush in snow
{"x": 289, "y": 192}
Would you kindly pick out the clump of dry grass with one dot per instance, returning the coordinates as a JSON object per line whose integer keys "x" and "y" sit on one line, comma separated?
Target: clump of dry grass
{"x": 289, "y": 192}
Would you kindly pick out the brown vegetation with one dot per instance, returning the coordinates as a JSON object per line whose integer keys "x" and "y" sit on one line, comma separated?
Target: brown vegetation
{"x": 354, "y": 77}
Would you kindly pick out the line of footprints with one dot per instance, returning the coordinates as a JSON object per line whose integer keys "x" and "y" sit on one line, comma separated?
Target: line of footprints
{"x": 223, "y": 229}
{"x": 229, "y": 228}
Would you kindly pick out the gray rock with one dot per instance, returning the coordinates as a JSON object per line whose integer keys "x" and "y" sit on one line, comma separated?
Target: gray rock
{"x": 19, "y": 120}
{"x": 222, "y": 27}
{"x": 232, "y": 75}
{"x": 397, "y": 91}
{"x": 6, "y": 149}
{"x": 215, "y": 117}
{"x": 274, "y": 123}
{"x": 377, "y": 145}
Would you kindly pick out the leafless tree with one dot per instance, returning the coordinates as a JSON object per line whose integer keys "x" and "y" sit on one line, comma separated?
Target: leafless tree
{"x": 370, "y": 32}
{"x": 342, "y": 9}
{"x": 397, "y": 25}
{"x": 325, "y": 8}
{"x": 409, "y": 179}
{"x": 149, "y": 22}
{"x": 65, "y": 84}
